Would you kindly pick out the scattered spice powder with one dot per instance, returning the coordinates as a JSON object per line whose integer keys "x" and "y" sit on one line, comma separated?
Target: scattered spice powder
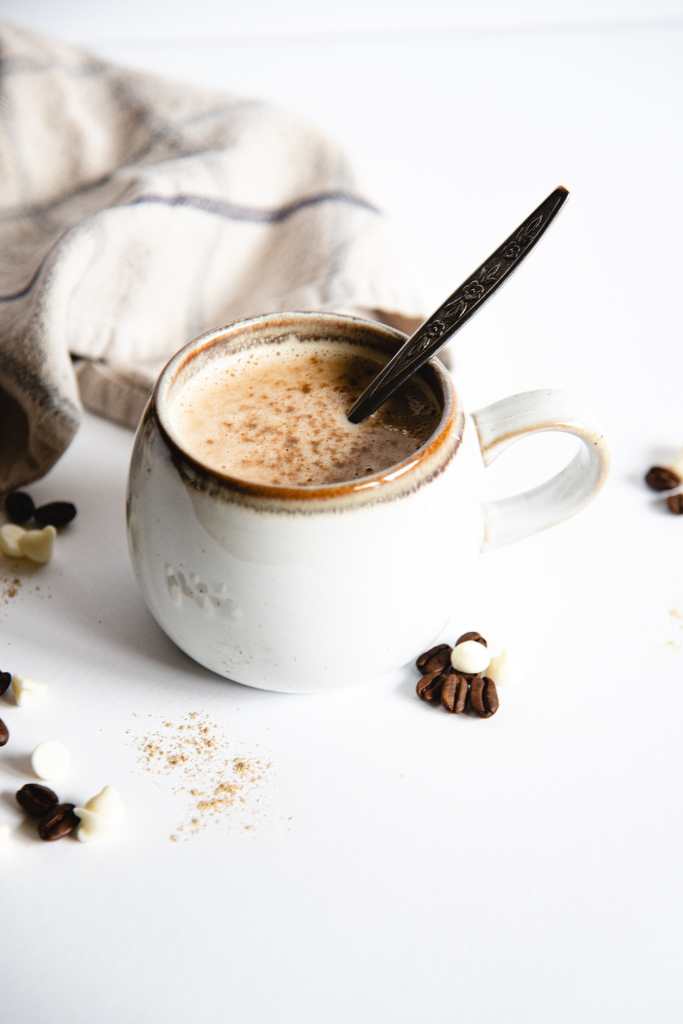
{"x": 10, "y": 588}
{"x": 15, "y": 575}
{"x": 216, "y": 788}
{"x": 673, "y": 642}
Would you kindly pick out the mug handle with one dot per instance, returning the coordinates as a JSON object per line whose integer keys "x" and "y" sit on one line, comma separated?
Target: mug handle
{"x": 500, "y": 425}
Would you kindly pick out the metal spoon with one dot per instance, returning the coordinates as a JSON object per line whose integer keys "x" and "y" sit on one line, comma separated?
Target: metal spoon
{"x": 456, "y": 310}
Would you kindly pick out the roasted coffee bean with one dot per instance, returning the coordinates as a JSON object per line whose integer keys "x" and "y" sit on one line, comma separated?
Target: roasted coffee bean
{"x": 429, "y": 687}
{"x": 662, "y": 478}
{"x": 674, "y": 503}
{"x": 4, "y": 733}
{"x": 435, "y": 659}
{"x": 439, "y": 662}
{"x": 19, "y": 507}
{"x": 36, "y": 800}
{"x": 454, "y": 693}
{"x": 59, "y": 822}
{"x": 483, "y": 697}
{"x": 56, "y": 513}
{"x": 5, "y": 682}
{"x": 470, "y": 636}
{"x": 490, "y": 695}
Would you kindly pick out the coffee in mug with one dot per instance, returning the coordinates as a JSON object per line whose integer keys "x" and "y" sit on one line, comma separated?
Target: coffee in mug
{"x": 276, "y": 414}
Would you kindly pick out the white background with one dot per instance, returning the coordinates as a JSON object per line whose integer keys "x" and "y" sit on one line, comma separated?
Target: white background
{"x": 406, "y": 866}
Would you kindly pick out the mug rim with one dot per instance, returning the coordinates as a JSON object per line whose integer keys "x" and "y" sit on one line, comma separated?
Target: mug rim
{"x": 449, "y": 426}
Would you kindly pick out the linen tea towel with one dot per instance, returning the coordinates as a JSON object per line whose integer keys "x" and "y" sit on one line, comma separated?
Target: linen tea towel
{"x": 136, "y": 213}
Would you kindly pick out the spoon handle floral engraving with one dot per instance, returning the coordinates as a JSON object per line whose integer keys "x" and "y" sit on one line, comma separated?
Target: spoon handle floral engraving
{"x": 457, "y": 309}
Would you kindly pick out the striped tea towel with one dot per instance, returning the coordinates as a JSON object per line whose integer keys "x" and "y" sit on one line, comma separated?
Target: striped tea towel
{"x": 136, "y": 213}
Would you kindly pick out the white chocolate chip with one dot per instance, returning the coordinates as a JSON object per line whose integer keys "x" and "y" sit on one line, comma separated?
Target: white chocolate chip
{"x": 91, "y": 826}
{"x": 37, "y": 544}
{"x": 499, "y": 668}
{"x": 26, "y": 691}
{"x": 10, "y": 534}
{"x": 470, "y": 657}
{"x": 108, "y": 803}
{"x": 100, "y": 815}
{"x": 51, "y": 761}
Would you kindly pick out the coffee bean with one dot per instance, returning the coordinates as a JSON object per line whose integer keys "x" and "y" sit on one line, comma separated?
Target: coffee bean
{"x": 483, "y": 697}
{"x": 470, "y": 636}
{"x": 36, "y": 800}
{"x": 454, "y": 693}
{"x": 19, "y": 507}
{"x": 4, "y": 733}
{"x": 440, "y": 661}
{"x": 59, "y": 822}
{"x": 662, "y": 478}
{"x": 435, "y": 659}
{"x": 476, "y": 701}
{"x": 5, "y": 682}
{"x": 429, "y": 687}
{"x": 675, "y": 504}
{"x": 490, "y": 695}
{"x": 56, "y": 513}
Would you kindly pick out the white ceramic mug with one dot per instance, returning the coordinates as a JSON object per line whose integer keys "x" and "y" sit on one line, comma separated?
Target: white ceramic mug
{"x": 307, "y": 588}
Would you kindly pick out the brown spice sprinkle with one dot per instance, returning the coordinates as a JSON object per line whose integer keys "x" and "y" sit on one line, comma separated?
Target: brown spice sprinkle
{"x": 10, "y": 586}
{"x": 216, "y": 788}
{"x": 17, "y": 577}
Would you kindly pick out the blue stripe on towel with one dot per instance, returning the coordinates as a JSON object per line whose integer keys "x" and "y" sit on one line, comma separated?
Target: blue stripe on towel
{"x": 27, "y": 288}
{"x": 232, "y": 211}
{"x": 159, "y": 133}
{"x": 219, "y": 208}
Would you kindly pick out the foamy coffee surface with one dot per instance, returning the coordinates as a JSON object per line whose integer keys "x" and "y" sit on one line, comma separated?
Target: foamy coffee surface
{"x": 276, "y": 414}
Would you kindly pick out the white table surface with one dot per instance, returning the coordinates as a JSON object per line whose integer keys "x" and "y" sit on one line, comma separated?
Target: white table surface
{"x": 404, "y": 865}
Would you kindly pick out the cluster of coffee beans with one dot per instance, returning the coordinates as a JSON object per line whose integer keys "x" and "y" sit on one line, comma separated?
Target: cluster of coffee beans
{"x": 667, "y": 478}
{"x": 16, "y": 541}
{"x": 461, "y": 678}
{"x": 55, "y": 820}
{"x": 99, "y": 816}
{"x": 20, "y": 509}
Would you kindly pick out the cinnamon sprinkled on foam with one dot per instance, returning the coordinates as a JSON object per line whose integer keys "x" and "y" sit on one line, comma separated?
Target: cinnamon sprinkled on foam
{"x": 276, "y": 414}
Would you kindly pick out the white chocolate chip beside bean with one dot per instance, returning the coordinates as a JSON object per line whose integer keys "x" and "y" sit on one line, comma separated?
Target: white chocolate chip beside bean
{"x": 108, "y": 803}
{"x": 100, "y": 815}
{"x": 10, "y": 535}
{"x": 499, "y": 668}
{"x": 51, "y": 761}
{"x": 470, "y": 657}
{"x": 27, "y": 691}
{"x": 37, "y": 544}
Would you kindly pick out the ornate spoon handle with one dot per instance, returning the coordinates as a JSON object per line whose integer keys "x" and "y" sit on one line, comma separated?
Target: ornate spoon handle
{"x": 456, "y": 310}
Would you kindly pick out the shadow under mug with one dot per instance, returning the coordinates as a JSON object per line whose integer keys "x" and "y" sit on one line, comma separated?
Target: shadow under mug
{"x": 307, "y": 588}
